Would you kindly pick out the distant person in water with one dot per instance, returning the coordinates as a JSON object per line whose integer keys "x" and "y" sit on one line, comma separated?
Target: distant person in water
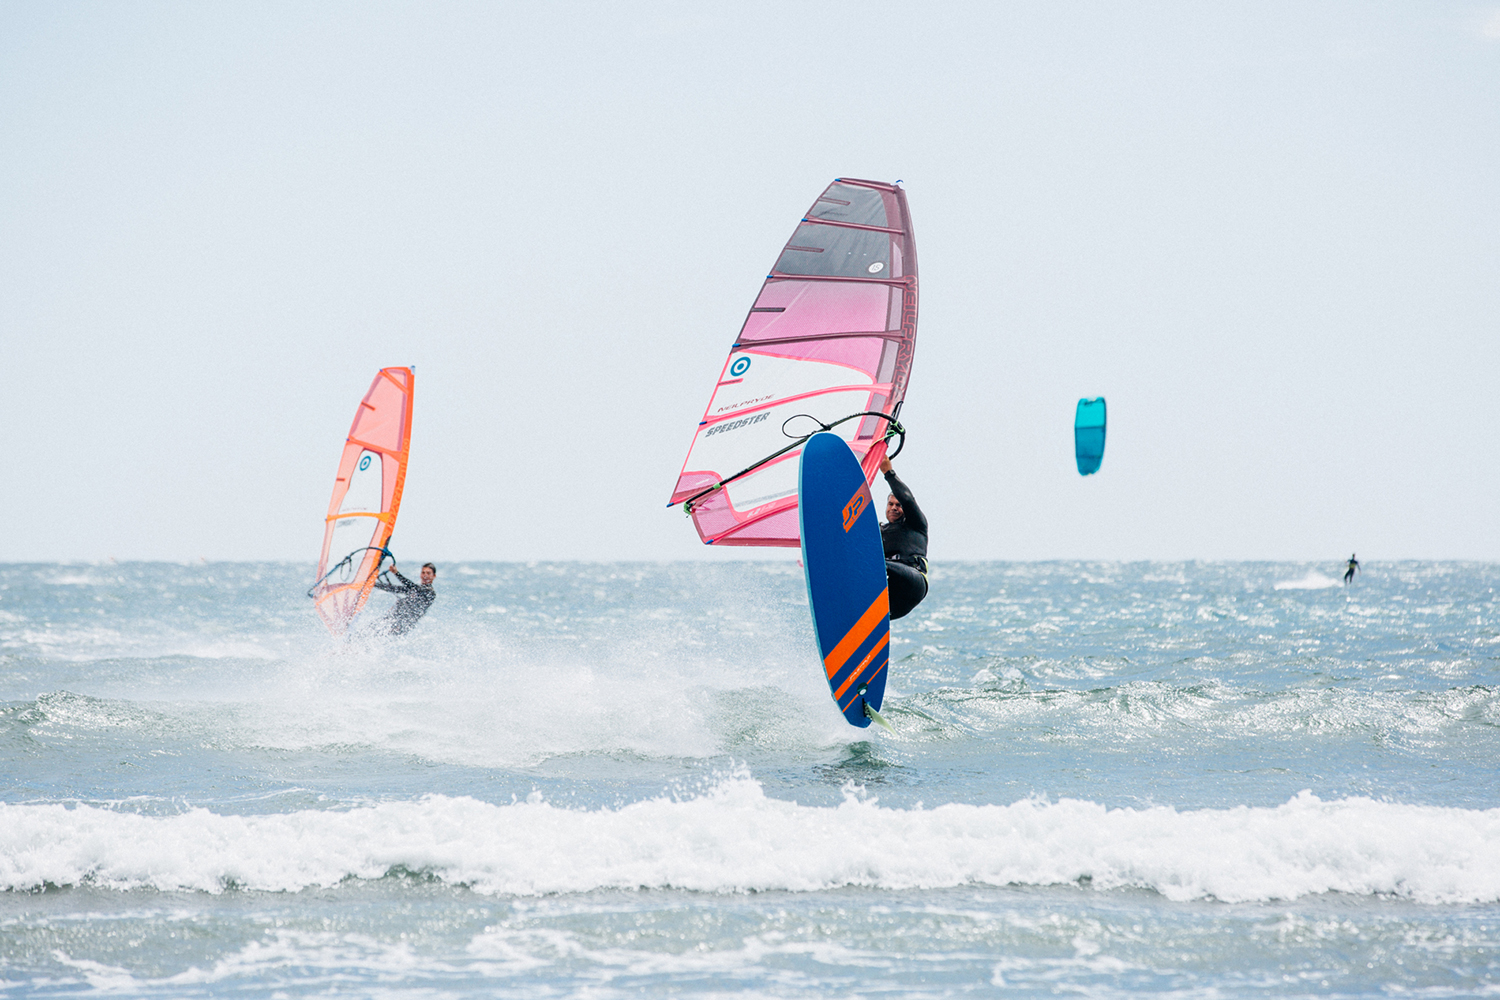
{"x": 1353, "y": 566}
{"x": 414, "y": 601}
{"x": 904, "y": 538}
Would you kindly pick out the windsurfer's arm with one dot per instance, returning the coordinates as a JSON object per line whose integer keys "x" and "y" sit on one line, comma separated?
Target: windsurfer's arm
{"x": 910, "y": 512}
{"x": 405, "y": 583}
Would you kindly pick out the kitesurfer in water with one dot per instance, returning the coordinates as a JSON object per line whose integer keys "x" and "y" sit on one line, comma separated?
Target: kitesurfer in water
{"x": 414, "y": 601}
{"x": 904, "y": 537}
{"x": 1353, "y": 566}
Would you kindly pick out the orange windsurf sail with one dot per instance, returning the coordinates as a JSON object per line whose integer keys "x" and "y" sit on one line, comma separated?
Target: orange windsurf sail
{"x": 366, "y": 497}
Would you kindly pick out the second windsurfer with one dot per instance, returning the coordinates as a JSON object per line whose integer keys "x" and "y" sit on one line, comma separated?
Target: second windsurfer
{"x": 904, "y": 538}
{"x": 414, "y": 601}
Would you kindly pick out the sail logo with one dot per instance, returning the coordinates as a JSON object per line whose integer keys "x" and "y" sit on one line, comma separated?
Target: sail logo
{"x": 741, "y": 366}
{"x": 734, "y": 425}
{"x": 746, "y": 402}
{"x": 364, "y": 463}
{"x": 855, "y": 507}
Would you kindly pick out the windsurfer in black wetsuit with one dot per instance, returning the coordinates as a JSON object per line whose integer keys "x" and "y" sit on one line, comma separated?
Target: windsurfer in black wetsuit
{"x": 1353, "y": 568}
{"x": 904, "y": 537}
{"x": 414, "y": 601}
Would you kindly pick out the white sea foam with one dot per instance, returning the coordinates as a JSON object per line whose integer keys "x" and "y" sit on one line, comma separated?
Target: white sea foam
{"x": 477, "y": 702}
{"x": 1312, "y": 581}
{"x": 734, "y": 838}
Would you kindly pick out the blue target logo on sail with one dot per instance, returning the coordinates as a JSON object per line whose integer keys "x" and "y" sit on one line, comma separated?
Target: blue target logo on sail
{"x": 740, "y": 367}
{"x": 364, "y": 463}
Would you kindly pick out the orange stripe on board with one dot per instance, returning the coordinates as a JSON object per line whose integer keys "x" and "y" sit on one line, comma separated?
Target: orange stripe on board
{"x": 858, "y": 634}
{"x": 862, "y": 664}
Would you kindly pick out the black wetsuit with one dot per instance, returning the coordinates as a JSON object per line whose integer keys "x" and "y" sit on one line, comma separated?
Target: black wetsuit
{"x": 413, "y": 603}
{"x": 905, "y": 543}
{"x": 1349, "y": 573}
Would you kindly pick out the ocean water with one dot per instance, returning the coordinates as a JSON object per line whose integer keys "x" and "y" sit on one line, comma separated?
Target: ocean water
{"x": 605, "y": 780}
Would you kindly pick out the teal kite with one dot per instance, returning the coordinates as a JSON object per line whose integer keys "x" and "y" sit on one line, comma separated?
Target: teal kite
{"x": 1088, "y": 435}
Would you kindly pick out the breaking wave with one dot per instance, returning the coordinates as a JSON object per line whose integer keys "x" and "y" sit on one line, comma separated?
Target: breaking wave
{"x": 734, "y": 838}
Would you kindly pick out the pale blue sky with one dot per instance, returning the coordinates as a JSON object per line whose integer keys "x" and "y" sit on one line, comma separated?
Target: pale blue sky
{"x": 1269, "y": 234}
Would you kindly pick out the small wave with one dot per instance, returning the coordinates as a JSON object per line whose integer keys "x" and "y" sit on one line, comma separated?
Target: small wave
{"x": 78, "y": 580}
{"x": 1312, "y": 581}
{"x": 733, "y": 838}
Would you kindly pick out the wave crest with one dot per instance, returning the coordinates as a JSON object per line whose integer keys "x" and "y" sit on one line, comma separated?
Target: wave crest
{"x": 733, "y": 838}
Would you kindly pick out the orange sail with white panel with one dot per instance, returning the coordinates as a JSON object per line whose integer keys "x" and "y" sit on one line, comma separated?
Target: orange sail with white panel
{"x": 366, "y": 497}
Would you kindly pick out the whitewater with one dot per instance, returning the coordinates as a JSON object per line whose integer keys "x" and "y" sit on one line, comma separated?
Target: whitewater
{"x": 1207, "y": 779}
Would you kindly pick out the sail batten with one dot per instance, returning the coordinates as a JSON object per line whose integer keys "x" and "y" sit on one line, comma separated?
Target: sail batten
{"x": 830, "y": 335}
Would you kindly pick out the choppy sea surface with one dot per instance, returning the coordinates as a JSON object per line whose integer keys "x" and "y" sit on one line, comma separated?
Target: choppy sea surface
{"x": 606, "y": 780}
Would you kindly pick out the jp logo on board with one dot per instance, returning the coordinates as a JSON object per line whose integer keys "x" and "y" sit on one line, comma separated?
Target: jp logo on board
{"x": 741, "y": 366}
{"x": 855, "y": 507}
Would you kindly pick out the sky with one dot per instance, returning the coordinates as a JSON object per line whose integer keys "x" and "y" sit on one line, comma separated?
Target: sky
{"x": 1267, "y": 233}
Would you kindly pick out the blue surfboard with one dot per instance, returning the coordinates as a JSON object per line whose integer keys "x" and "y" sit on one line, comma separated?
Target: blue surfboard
{"x": 846, "y": 583}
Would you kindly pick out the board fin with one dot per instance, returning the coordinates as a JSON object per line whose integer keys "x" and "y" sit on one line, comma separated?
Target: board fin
{"x": 877, "y": 718}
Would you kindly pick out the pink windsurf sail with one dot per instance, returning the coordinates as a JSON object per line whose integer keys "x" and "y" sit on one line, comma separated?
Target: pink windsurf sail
{"x": 830, "y": 336}
{"x": 366, "y": 499}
